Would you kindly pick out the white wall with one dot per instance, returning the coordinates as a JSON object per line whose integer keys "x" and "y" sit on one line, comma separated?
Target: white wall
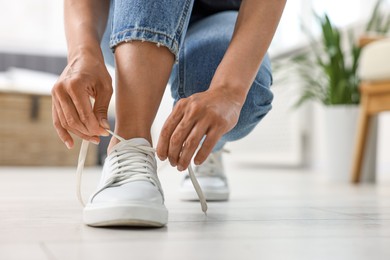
{"x": 32, "y": 26}
{"x": 37, "y": 25}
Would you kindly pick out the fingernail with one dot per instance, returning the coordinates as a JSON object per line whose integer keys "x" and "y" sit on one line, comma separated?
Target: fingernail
{"x": 105, "y": 133}
{"x": 95, "y": 142}
{"x": 180, "y": 168}
{"x": 105, "y": 123}
{"x": 67, "y": 145}
{"x": 196, "y": 162}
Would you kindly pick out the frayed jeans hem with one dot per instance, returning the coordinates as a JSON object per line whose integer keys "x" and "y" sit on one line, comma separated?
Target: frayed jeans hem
{"x": 148, "y": 35}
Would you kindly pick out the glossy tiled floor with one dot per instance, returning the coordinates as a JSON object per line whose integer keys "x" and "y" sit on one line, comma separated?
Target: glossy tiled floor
{"x": 272, "y": 214}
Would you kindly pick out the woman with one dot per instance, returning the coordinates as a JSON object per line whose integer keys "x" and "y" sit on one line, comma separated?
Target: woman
{"x": 220, "y": 76}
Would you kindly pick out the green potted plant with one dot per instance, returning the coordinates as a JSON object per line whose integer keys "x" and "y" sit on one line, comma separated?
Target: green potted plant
{"x": 327, "y": 74}
{"x": 327, "y": 71}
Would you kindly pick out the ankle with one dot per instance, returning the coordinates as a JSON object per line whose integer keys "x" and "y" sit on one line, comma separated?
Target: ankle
{"x": 127, "y": 136}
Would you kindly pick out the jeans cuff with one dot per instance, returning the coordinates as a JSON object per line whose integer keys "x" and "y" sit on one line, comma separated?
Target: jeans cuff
{"x": 145, "y": 34}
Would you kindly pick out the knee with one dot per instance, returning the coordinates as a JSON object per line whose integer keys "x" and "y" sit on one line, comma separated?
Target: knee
{"x": 257, "y": 105}
{"x": 264, "y": 75}
{"x": 212, "y": 33}
{"x": 260, "y": 96}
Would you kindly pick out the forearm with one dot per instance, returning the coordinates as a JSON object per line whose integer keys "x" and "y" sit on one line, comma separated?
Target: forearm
{"x": 255, "y": 27}
{"x": 85, "y": 21}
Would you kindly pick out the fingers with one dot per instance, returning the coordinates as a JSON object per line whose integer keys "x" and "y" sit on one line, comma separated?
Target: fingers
{"x": 183, "y": 131}
{"x": 191, "y": 144}
{"x": 66, "y": 118}
{"x": 82, "y": 114}
{"x": 72, "y": 109}
{"x": 182, "y": 152}
{"x": 167, "y": 131}
{"x": 207, "y": 146}
{"x": 65, "y": 137}
{"x": 62, "y": 130}
{"x": 207, "y": 113}
{"x": 68, "y": 114}
{"x": 101, "y": 107}
{"x": 177, "y": 139}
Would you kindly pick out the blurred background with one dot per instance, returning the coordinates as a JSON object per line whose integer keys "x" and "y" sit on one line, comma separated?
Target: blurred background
{"x": 33, "y": 53}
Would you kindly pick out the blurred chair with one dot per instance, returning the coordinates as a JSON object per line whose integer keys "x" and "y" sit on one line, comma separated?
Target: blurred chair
{"x": 374, "y": 72}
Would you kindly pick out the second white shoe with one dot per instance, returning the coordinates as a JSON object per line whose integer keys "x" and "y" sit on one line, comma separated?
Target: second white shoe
{"x": 212, "y": 179}
{"x": 129, "y": 193}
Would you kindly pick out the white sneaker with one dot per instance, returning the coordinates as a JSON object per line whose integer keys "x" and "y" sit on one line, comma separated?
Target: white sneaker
{"x": 129, "y": 192}
{"x": 211, "y": 177}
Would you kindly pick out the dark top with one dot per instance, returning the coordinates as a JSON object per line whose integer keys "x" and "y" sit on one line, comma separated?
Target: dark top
{"x": 213, "y": 6}
{"x": 203, "y": 8}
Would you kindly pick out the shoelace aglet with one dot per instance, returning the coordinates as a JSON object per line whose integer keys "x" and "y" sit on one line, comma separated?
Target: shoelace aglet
{"x": 198, "y": 189}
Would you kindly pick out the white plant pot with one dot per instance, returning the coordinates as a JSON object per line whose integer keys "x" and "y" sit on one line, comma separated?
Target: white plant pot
{"x": 337, "y": 126}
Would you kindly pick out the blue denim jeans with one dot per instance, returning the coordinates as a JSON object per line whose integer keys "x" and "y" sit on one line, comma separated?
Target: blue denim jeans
{"x": 198, "y": 44}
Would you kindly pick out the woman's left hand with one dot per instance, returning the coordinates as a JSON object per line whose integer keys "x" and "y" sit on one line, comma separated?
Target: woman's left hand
{"x": 211, "y": 113}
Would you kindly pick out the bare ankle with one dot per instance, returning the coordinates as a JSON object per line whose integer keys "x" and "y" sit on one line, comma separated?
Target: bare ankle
{"x": 127, "y": 136}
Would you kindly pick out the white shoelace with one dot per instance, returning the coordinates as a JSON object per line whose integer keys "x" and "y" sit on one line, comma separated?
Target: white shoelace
{"x": 212, "y": 167}
{"x": 129, "y": 170}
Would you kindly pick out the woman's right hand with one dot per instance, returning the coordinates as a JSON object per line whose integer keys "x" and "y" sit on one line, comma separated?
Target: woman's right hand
{"x": 84, "y": 77}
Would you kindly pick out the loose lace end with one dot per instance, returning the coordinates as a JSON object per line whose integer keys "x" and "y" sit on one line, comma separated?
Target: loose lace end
{"x": 80, "y": 167}
{"x": 198, "y": 189}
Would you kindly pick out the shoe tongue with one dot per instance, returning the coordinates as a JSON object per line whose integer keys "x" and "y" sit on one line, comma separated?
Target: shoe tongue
{"x": 133, "y": 142}
{"x": 138, "y": 141}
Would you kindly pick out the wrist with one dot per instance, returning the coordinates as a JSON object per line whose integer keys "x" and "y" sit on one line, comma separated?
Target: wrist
{"x": 232, "y": 87}
{"x": 235, "y": 94}
{"x": 83, "y": 50}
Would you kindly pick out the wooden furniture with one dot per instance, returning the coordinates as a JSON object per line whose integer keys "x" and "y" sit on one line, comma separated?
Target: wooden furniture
{"x": 367, "y": 39}
{"x": 27, "y": 135}
{"x": 375, "y": 95}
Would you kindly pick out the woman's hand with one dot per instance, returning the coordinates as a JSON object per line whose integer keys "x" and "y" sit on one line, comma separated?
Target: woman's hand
{"x": 211, "y": 113}
{"x": 85, "y": 76}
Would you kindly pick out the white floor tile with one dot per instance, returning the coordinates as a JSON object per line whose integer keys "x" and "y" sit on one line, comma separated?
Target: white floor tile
{"x": 272, "y": 214}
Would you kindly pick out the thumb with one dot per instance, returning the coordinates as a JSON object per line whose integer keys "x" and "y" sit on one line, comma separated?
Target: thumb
{"x": 100, "y": 109}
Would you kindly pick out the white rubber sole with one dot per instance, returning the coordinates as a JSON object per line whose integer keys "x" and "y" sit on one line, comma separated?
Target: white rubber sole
{"x": 190, "y": 195}
{"x": 136, "y": 215}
